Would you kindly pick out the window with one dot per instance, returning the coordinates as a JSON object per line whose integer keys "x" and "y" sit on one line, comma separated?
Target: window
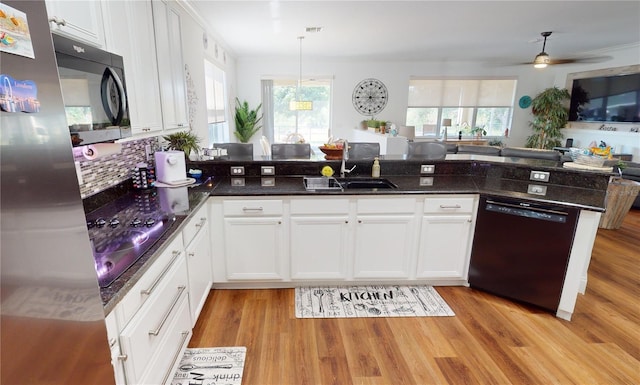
{"x": 215, "y": 85}
{"x": 280, "y": 122}
{"x": 468, "y": 103}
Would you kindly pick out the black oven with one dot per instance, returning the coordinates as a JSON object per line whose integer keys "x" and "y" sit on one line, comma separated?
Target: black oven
{"x": 94, "y": 92}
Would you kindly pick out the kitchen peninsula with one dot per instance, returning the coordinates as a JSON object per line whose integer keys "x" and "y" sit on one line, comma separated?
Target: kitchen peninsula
{"x": 259, "y": 227}
{"x": 349, "y": 235}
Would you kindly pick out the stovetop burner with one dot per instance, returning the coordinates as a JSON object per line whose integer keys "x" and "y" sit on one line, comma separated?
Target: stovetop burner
{"x": 123, "y": 230}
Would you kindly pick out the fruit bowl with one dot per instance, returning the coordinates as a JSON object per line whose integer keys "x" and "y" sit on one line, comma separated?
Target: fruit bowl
{"x": 331, "y": 153}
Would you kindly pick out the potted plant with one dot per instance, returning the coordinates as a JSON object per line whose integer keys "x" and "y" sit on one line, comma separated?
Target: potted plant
{"x": 247, "y": 121}
{"x": 478, "y": 132}
{"x": 550, "y": 115}
{"x": 185, "y": 141}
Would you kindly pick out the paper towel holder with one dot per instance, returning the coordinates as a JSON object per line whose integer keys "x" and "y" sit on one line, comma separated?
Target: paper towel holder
{"x": 100, "y": 150}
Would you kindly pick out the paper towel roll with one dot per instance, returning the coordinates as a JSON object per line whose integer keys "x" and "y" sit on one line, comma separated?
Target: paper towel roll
{"x": 99, "y": 150}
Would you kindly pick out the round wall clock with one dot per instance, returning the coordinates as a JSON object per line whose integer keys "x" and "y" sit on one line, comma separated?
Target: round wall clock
{"x": 524, "y": 101}
{"x": 370, "y": 97}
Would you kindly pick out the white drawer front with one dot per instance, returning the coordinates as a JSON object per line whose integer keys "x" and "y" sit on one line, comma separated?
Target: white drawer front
{"x": 195, "y": 224}
{"x": 320, "y": 206}
{"x": 387, "y": 205}
{"x": 451, "y": 204}
{"x": 148, "y": 283}
{"x": 145, "y": 333}
{"x": 252, "y": 207}
{"x": 163, "y": 365}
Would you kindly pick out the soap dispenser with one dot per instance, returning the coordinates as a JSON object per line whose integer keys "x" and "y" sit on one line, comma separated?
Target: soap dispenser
{"x": 375, "y": 170}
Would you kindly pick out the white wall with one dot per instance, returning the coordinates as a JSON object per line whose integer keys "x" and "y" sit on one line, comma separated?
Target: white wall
{"x": 622, "y": 140}
{"x": 396, "y": 75}
{"x": 194, "y": 53}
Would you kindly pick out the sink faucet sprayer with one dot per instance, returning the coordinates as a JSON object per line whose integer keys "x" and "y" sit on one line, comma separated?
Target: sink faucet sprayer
{"x": 345, "y": 156}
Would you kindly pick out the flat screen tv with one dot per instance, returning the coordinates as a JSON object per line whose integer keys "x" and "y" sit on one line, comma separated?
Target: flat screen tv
{"x": 606, "y": 99}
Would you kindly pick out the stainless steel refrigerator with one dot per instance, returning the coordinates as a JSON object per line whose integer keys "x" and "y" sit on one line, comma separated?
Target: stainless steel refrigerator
{"x": 52, "y": 320}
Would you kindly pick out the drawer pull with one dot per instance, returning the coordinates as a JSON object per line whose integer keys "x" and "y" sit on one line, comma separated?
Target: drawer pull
{"x": 252, "y": 209}
{"x": 202, "y": 222}
{"x": 148, "y": 291}
{"x": 168, "y": 313}
{"x": 123, "y": 357}
{"x": 450, "y": 206}
{"x": 185, "y": 334}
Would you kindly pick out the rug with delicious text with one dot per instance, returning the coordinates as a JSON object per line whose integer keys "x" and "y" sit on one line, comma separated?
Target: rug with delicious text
{"x": 370, "y": 301}
{"x": 211, "y": 366}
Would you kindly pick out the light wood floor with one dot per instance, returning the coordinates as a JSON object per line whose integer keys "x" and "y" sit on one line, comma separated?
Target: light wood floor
{"x": 489, "y": 341}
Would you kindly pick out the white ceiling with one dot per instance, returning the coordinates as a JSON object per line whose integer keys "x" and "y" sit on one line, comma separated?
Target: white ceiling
{"x": 504, "y": 32}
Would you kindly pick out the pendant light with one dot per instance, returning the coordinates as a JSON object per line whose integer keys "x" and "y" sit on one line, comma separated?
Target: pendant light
{"x": 542, "y": 59}
{"x": 298, "y": 104}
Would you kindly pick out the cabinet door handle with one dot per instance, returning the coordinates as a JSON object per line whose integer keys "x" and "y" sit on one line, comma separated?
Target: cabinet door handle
{"x": 169, "y": 372}
{"x": 156, "y": 331}
{"x": 148, "y": 291}
{"x": 200, "y": 225}
{"x": 450, "y": 206}
{"x": 123, "y": 357}
{"x": 57, "y": 21}
{"x": 251, "y": 209}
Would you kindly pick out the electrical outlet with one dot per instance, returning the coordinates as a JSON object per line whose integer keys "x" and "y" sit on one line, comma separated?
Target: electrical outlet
{"x": 267, "y": 170}
{"x": 539, "y": 176}
{"x": 537, "y": 189}
{"x": 237, "y": 170}
{"x": 427, "y": 169}
{"x": 147, "y": 150}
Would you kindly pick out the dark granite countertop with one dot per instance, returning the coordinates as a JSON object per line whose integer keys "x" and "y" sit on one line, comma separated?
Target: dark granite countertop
{"x": 585, "y": 198}
{"x": 113, "y": 293}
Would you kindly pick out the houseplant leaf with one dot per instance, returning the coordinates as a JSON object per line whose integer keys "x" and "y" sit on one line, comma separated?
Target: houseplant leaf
{"x": 247, "y": 121}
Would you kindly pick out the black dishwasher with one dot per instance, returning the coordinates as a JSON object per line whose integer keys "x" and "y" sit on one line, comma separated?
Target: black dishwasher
{"x": 521, "y": 249}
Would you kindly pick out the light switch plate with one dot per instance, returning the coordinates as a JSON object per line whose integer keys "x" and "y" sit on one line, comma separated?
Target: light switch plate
{"x": 539, "y": 176}
{"x": 537, "y": 189}
{"x": 268, "y": 170}
{"x": 267, "y": 182}
{"x": 237, "y": 181}
{"x": 426, "y": 181}
{"x": 427, "y": 168}
{"x": 237, "y": 170}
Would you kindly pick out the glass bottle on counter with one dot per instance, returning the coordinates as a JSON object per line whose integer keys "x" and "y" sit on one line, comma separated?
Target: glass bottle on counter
{"x": 375, "y": 170}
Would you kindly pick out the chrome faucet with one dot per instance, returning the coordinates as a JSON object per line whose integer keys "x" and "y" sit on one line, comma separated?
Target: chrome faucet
{"x": 345, "y": 156}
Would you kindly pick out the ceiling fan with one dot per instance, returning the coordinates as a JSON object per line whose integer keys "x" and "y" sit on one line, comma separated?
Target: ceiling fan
{"x": 542, "y": 59}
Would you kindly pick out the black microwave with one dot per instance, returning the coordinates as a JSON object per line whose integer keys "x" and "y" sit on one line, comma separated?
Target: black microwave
{"x": 94, "y": 92}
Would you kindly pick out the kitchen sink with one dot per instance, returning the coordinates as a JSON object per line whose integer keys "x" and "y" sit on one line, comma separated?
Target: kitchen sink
{"x": 322, "y": 183}
{"x": 366, "y": 183}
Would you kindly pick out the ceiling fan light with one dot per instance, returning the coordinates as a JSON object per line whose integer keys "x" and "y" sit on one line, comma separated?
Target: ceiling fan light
{"x": 541, "y": 60}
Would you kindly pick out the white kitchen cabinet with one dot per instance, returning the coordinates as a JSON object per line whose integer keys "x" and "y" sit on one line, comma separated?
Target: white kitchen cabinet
{"x": 319, "y": 238}
{"x": 198, "y": 254}
{"x": 80, "y": 20}
{"x": 113, "y": 336}
{"x": 159, "y": 297}
{"x": 254, "y": 243}
{"x": 162, "y": 325}
{"x": 168, "y": 42}
{"x": 445, "y": 237}
{"x": 124, "y": 20}
{"x": 385, "y": 233}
